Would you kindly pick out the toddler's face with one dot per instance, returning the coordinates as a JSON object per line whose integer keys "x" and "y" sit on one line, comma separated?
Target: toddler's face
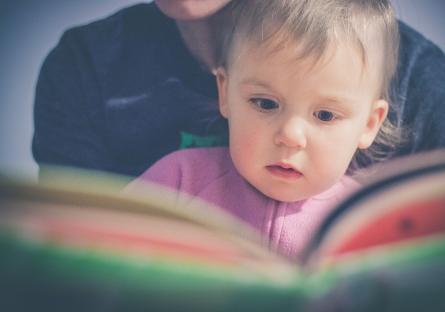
{"x": 295, "y": 125}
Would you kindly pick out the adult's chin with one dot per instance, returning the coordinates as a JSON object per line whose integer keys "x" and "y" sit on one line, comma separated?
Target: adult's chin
{"x": 189, "y": 10}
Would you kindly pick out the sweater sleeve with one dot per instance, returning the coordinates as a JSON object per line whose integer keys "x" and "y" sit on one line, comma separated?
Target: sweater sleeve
{"x": 166, "y": 171}
{"x": 190, "y": 170}
{"x": 66, "y": 132}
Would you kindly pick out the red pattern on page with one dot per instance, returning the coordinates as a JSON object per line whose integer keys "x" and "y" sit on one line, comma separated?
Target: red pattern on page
{"x": 149, "y": 245}
{"x": 409, "y": 221}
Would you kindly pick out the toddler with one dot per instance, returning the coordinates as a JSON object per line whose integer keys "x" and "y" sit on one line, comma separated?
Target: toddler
{"x": 303, "y": 86}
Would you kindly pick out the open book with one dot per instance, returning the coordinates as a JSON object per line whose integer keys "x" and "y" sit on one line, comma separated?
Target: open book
{"x": 76, "y": 243}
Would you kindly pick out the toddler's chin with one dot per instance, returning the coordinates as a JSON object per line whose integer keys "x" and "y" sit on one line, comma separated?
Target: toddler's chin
{"x": 287, "y": 197}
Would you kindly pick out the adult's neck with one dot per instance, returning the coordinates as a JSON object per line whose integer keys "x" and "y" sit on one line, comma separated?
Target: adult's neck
{"x": 198, "y": 38}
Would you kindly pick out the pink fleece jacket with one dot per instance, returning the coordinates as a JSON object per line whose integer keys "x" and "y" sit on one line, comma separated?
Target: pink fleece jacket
{"x": 209, "y": 174}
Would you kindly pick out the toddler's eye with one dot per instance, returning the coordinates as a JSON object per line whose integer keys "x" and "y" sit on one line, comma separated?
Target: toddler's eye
{"x": 324, "y": 115}
{"x": 264, "y": 104}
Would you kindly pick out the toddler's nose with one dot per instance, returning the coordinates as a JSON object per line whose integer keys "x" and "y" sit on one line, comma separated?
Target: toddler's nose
{"x": 292, "y": 133}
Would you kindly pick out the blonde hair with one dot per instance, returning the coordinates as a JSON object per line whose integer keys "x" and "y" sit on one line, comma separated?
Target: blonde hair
{"x": 314, "y": 25}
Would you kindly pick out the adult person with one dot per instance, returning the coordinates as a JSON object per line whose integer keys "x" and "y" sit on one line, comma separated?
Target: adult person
{"x": 120, "y": 93}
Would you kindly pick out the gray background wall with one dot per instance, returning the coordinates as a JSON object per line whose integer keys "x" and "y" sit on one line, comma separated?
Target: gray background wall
{"x": 29, "y": 29}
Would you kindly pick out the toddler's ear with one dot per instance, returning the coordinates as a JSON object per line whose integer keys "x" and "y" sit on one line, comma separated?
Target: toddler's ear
{"x": 376, "y": 118}
{"x": 221, "y": 80}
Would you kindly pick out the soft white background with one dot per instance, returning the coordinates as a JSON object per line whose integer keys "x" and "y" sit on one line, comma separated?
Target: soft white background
{"x": 29, "y": 29}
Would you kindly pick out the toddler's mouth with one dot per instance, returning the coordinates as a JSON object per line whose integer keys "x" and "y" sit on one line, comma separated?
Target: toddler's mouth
{"x": 284, "y": 171}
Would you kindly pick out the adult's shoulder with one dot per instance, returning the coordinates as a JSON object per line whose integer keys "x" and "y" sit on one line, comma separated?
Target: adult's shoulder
{"x": 136, "y": 27}
{"x": 118, "y": 55}
{"x": 420, "y": 60}
{"x": 419, "y": 91}
{"x": 141, "y": 19}
{"x": 416, "y": 52}
{"x": 411, "y": 39}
